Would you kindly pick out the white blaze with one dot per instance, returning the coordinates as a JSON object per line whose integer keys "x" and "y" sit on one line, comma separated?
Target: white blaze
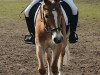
{"x": 54, "y": 12}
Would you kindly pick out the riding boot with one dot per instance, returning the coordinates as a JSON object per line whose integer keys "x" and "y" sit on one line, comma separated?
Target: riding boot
{"x": 30, "y": 38}
{"x": 73, "y": 37}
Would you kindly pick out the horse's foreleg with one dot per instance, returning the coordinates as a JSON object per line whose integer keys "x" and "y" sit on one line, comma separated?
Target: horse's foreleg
{"x": 48, "y": 57}
{"x": 55, "y": 56}
{"x": 60, "y": 61}
{"x": 40, "y": 55}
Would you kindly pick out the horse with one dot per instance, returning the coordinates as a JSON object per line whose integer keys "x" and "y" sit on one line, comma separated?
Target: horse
{"x": 50, "y": 37}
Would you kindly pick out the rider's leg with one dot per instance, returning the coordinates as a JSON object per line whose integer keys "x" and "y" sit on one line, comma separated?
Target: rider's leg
{"x": 73, "y": 20}
{"x": 73, "y": 37}
{"x": 29, "y": 16}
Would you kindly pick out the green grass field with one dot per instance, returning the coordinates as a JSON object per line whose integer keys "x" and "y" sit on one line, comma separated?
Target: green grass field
{"x": 12, "y": 8}
{"x": 89, "y": 9}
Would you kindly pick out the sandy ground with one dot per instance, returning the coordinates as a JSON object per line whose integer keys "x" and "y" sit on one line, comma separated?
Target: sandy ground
{"x": 18, "y": 58}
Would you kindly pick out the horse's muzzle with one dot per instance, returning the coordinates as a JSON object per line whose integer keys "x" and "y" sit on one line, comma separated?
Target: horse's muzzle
{"x": 58, "y": 40}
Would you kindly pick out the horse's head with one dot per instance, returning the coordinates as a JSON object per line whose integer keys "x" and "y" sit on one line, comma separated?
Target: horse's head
{"x": 52, "y": 17}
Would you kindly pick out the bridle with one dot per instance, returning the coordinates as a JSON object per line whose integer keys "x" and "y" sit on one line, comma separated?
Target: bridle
{"x": 48, "y": 29}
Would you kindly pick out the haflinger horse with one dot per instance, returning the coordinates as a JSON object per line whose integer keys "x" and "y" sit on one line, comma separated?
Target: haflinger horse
{"x": 50, "y": 37}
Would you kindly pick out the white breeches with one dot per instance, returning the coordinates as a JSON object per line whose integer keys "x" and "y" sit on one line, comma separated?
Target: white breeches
{"x": 27, "y": 10}
{"x": 72, "y": 5}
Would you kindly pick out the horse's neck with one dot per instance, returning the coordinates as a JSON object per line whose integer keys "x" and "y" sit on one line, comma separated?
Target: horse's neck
{"x": 38, "y": 15}
{"x": 40, "y": 23}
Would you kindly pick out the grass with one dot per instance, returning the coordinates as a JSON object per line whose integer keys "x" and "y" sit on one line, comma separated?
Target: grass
{"x": 89, "y": 11}
{"x": 12, "y": 8}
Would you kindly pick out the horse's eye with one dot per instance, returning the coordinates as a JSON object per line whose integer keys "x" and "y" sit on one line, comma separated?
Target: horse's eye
{"x": 46, "y": 16}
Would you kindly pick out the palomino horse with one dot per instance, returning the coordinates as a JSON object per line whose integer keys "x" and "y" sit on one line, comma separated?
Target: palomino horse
{"x": 50, "y": 33}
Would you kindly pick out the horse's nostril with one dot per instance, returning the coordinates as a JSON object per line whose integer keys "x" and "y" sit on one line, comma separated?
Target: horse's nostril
{"x": 58, "y": 40}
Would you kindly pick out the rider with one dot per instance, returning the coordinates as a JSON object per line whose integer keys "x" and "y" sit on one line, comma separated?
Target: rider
{"x": 67, "y": 6}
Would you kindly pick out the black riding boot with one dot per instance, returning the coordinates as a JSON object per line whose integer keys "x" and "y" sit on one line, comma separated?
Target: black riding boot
{"x": 73, "y": 37}
{"x": 30, "y": 38}
{"x": 30, "y": 24}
